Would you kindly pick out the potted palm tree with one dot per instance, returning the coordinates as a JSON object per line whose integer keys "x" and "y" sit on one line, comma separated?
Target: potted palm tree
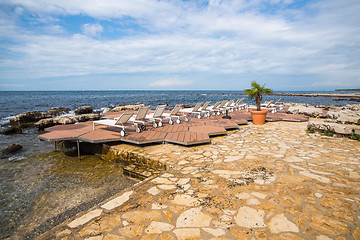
{"x": 257, "y": 91}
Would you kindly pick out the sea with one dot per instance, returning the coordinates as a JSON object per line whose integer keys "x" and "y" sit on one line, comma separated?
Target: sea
{"x": 41, "y": 187}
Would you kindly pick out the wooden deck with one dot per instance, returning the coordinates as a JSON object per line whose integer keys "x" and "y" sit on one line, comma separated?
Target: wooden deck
{"x": 196, "y": 131}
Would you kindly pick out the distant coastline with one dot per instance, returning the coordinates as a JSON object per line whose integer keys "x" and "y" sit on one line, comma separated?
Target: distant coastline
{"x": 345, "y": 95}
{"x": 348, "y": 90}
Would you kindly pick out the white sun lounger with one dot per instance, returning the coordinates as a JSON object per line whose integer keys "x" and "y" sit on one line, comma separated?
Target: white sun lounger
{"x": 213, "y": 108}
{"x": 121, "y": 122}
{"x": 229, "y": 106}
{"x": 204, "y": 109}
{"x": 139, "y": 118}
{"x": 156, "y": 116}
{"x": 277, "y": 105}
{"x": 175, "y": 114}
{"x": 193, "y": 111}
{"x": 221, "y": 108}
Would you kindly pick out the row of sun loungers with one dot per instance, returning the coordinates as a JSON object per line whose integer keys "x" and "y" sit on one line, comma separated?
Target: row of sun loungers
{"x": 176, "y": 115}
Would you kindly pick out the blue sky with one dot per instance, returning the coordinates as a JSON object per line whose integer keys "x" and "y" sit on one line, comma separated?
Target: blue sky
{"x": 168, "y": 44}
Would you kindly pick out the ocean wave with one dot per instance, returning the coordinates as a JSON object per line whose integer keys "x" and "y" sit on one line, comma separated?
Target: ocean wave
{"x": 6, "y": 120}
{"x": 71, "y": 113}
{"x": 16, "y": 158}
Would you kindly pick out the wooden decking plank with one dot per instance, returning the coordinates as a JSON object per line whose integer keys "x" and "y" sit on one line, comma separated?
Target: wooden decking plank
{"x": 187, "y": 137}
{"x": 156, "y": 135}
{"x": 181, "y": 136}
{"x": 150, "y": 134}
{"x": 176, "y": 135}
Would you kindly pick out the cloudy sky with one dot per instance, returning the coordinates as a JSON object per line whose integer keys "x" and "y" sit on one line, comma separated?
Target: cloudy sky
{"x": 173, "y": 44}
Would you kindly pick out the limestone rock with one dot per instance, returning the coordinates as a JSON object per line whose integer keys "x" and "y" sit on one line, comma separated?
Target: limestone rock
{"x": 158, "y": 227}
{"x": 185, "y": 200}
{"x": 345, "y": 129}
{"x": 187, "y": 233}
{"x": 137, "y": 217}
{"x": 83, "y": 110}
{"x": 193, "y": 218}
{"x": 28, "y": 117}
{"x": 106, "y": 110}
{"x": 85, "y": 218}
{"x": 131, "y": 231}
{"x": 127, "y": 107}
{"x": 66, "y": 120}
{"x": 328, "y": 225}
{"x": 280, "y": 223}
{"x": 116, "y": 202}
{"x": 45, "y": 123}
{"x": 250, "y": 218}
{"x": 56, "y": 111}
{"x": 307, "y": 110}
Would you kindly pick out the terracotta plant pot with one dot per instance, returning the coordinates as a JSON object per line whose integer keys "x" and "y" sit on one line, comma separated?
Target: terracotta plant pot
{"x": 258, "y": 117}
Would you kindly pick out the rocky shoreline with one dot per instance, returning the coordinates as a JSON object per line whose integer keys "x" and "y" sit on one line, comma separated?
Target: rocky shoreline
{"x": 331, "y": 120}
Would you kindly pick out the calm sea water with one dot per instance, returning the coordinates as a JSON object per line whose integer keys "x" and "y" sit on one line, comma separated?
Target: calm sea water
{"x": 38, "y": 185}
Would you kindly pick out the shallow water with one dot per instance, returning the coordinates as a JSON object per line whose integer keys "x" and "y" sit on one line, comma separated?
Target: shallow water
{"x": 42, "y": 190}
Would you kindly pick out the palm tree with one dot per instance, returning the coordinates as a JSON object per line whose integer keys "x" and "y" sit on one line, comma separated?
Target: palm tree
{"x": 257, "y": 91}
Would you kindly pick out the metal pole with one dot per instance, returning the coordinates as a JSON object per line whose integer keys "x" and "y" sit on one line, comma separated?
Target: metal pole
{"x": 78, "y": 148}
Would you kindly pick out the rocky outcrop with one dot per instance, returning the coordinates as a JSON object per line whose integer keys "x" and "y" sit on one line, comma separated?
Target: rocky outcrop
{"x": 120, "y": 108}
{"x": 337, "y": 120}
{"x": 83, "y": 110}
{"x": 307, "y": 110}
{"x": 56, "y": 111}
{"x": 28, "y": 117}
{"x": 13, "y": 148}
{"x": 45, "y": 119}
{"x": 345, "y": 116}
{"x": 334, "y": 128}
{"x": 11, "y": 130}
{"x": 48, "y": 122}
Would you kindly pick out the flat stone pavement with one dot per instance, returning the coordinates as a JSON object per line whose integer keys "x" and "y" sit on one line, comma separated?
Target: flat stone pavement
{"x": 261, "y": 182}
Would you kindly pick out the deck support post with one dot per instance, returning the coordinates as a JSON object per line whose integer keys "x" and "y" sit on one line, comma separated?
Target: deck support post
{"x": 78, "y": 149}
{"x": 55, "y": 145}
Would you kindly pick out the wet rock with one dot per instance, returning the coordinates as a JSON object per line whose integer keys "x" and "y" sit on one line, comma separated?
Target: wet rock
{"x": 28, "y": 117}
{"x": 83, "y": 110}
{"x": 56, "y": 111}
{"x": 11, "y": 130}
{"x": 13, "y": 148}
{"x": 45, "y": 123}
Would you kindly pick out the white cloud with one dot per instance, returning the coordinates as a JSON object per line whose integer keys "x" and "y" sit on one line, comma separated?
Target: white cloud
{"x": 223, "y": 37}
{"x": 92, "y": 29}
{"x": 171, "y": 82}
